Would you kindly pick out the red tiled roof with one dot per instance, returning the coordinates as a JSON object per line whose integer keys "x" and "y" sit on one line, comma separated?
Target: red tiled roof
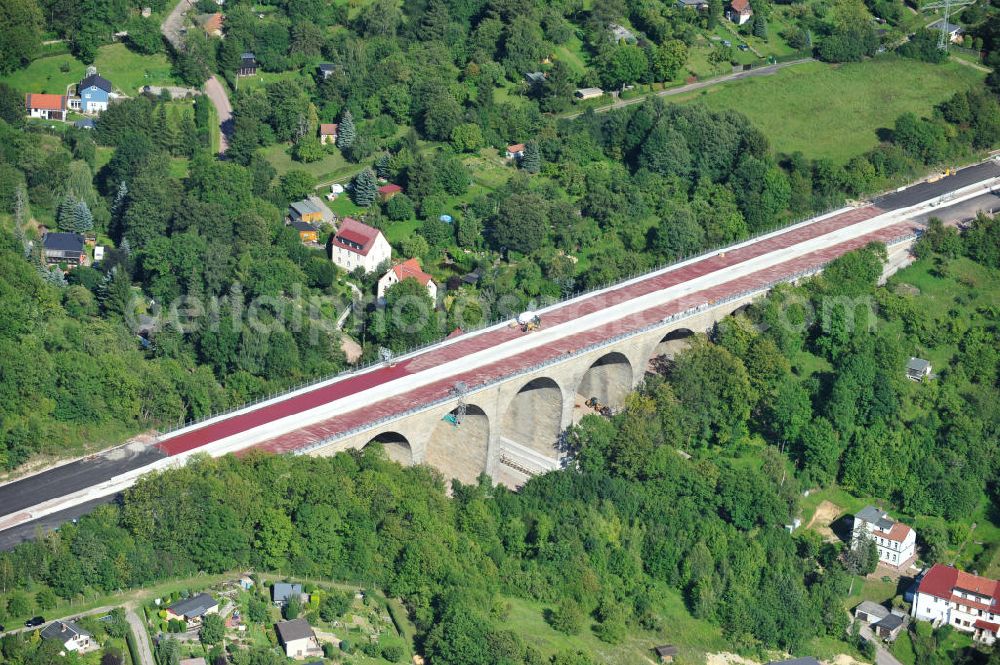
{"x": 897, "y": 533}
{"x": 986, "y": 625}
{"x": 47, "y": 102}
{"x": 213, "y": 23}
{"x": 328, "y": 129}
{"x": 978, "y": 585}
{"x": 388, "y": 189}
{"x": 411, "y": 268}
{"x": 517, "y": 147}
{"x": 941, "y": 582}
{"x": 355, "y": 236}
{"x": 740, "y": 5}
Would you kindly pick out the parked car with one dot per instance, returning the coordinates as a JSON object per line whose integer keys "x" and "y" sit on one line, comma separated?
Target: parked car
{"x": 743, "y": 47}
{"x": 2, "y": 628}
{"x": 34, "y": 622}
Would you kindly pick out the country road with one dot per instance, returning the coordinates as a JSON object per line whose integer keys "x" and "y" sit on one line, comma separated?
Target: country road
{"x": 141, "y": 637}
{"x": 172, "y": 26}
{"x": 220, "y": 100}
{"x": 697, "y": 85}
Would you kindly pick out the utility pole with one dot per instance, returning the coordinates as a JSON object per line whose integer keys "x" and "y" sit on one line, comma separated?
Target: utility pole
{"x": 947, "y": 5}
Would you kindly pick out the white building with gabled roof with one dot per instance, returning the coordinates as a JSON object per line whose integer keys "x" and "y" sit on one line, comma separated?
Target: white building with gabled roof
{"x": 896, "y": 542}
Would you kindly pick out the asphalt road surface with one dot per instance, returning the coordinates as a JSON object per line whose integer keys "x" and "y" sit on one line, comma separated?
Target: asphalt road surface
{"x": 220, "y": 100}
{"x": 927, "y": 190}
{"x": 173, "y": 24}
{"x": 18, "y": 534}
{"x": 61, "y": 480}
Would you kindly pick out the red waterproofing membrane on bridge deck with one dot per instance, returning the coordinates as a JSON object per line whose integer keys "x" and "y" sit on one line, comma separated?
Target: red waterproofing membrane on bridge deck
{"x": 241, "y": 422}
{"x": 442, "y": 389}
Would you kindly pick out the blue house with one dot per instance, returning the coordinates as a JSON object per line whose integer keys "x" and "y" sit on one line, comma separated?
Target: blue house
{"x": 94, "y": 92}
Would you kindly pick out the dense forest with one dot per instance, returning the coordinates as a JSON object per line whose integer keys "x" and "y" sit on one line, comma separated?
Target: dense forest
{"x": 602, "y": 541}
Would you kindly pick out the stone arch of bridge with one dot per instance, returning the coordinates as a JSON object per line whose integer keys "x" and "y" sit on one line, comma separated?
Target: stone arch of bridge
{"x": 459, "y": 444}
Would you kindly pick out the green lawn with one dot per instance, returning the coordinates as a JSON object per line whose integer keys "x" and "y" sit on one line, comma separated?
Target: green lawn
{"x": 572, "y": 54}
{"x": 127, "y": 71}
{"x": 333, "y": 166}
{"x": 835, "y": 111}
{"x": 694, "y": 637}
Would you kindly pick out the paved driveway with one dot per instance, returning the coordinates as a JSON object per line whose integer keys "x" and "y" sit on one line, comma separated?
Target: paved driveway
{"x": 220, "y": 100}
{"x": 172, "y": 25}
{"x": 141, "y": 638}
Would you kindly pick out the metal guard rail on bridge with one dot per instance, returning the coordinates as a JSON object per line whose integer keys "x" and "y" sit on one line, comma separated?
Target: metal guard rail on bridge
{"x": 499, "y": 320}
{"x": 691, "y": 311}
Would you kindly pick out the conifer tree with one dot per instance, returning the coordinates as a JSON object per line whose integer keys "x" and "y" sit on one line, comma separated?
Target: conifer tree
{"x": 532, "y": 160}
{"x": 83, "y": 220}
{"x": 365, "y": 188}
{"x": 346, "y": 131}
{"x": 382, "y": 166}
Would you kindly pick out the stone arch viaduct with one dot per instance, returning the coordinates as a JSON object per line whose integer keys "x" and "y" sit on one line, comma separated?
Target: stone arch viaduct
{"x": 511, "y": 430}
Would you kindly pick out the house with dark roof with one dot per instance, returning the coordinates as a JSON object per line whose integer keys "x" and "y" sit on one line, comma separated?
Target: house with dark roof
{"x": 70, "y": 635}
{"x": 193, "y": 609}
{"x": 356, "y": 245}
{"x": 700, "y": 5}
{"x": 248, "y": 65}
{"x": 47, "y": 107}
{"x": 305, "y": 211}
{"x": 896, "y": 542}
{"x": 739, "y": 11}
{"x": 966, "y": 602}
{"x": 307, "y": 232}
{"x": 870, "y": 612}
{"x": 281, "y": 592}
{"x": 953, "y": 31}
{"x": 889, "y": 627}
{"x": 298, "y": 639}
{"x": 918, "y": 369}
{"x": 326, "y": 69}
{"x": 93, "y": 92}
{"x": 64, "y": 248}
{"x": 666, "y": 653}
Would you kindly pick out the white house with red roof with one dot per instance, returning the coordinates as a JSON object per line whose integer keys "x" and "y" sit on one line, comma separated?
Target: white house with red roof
{"x": 409, "y": 269}
{"x": 356, "y": 245}
{"x": 515, "y": 151}
{"x": 895, "y": 541}
{"x": 739, "y": 11}
{"x": 49, "y": 107}
{"x": 965, "y": 602}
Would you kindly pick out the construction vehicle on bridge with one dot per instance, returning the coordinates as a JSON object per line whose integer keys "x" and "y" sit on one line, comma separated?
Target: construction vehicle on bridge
{"x": 529, "y": 321}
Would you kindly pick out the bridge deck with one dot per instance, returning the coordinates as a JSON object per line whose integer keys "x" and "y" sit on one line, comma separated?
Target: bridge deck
{"x": 464, "y": 346}
{"x": 427, "y": 394}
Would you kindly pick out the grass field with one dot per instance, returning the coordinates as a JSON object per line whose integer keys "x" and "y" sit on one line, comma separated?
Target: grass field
{"x": 694, "y": 637}
{"x": 127, "y": 71}
{"x": 333, "y": 166}
{"x": 835, "y": 111}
